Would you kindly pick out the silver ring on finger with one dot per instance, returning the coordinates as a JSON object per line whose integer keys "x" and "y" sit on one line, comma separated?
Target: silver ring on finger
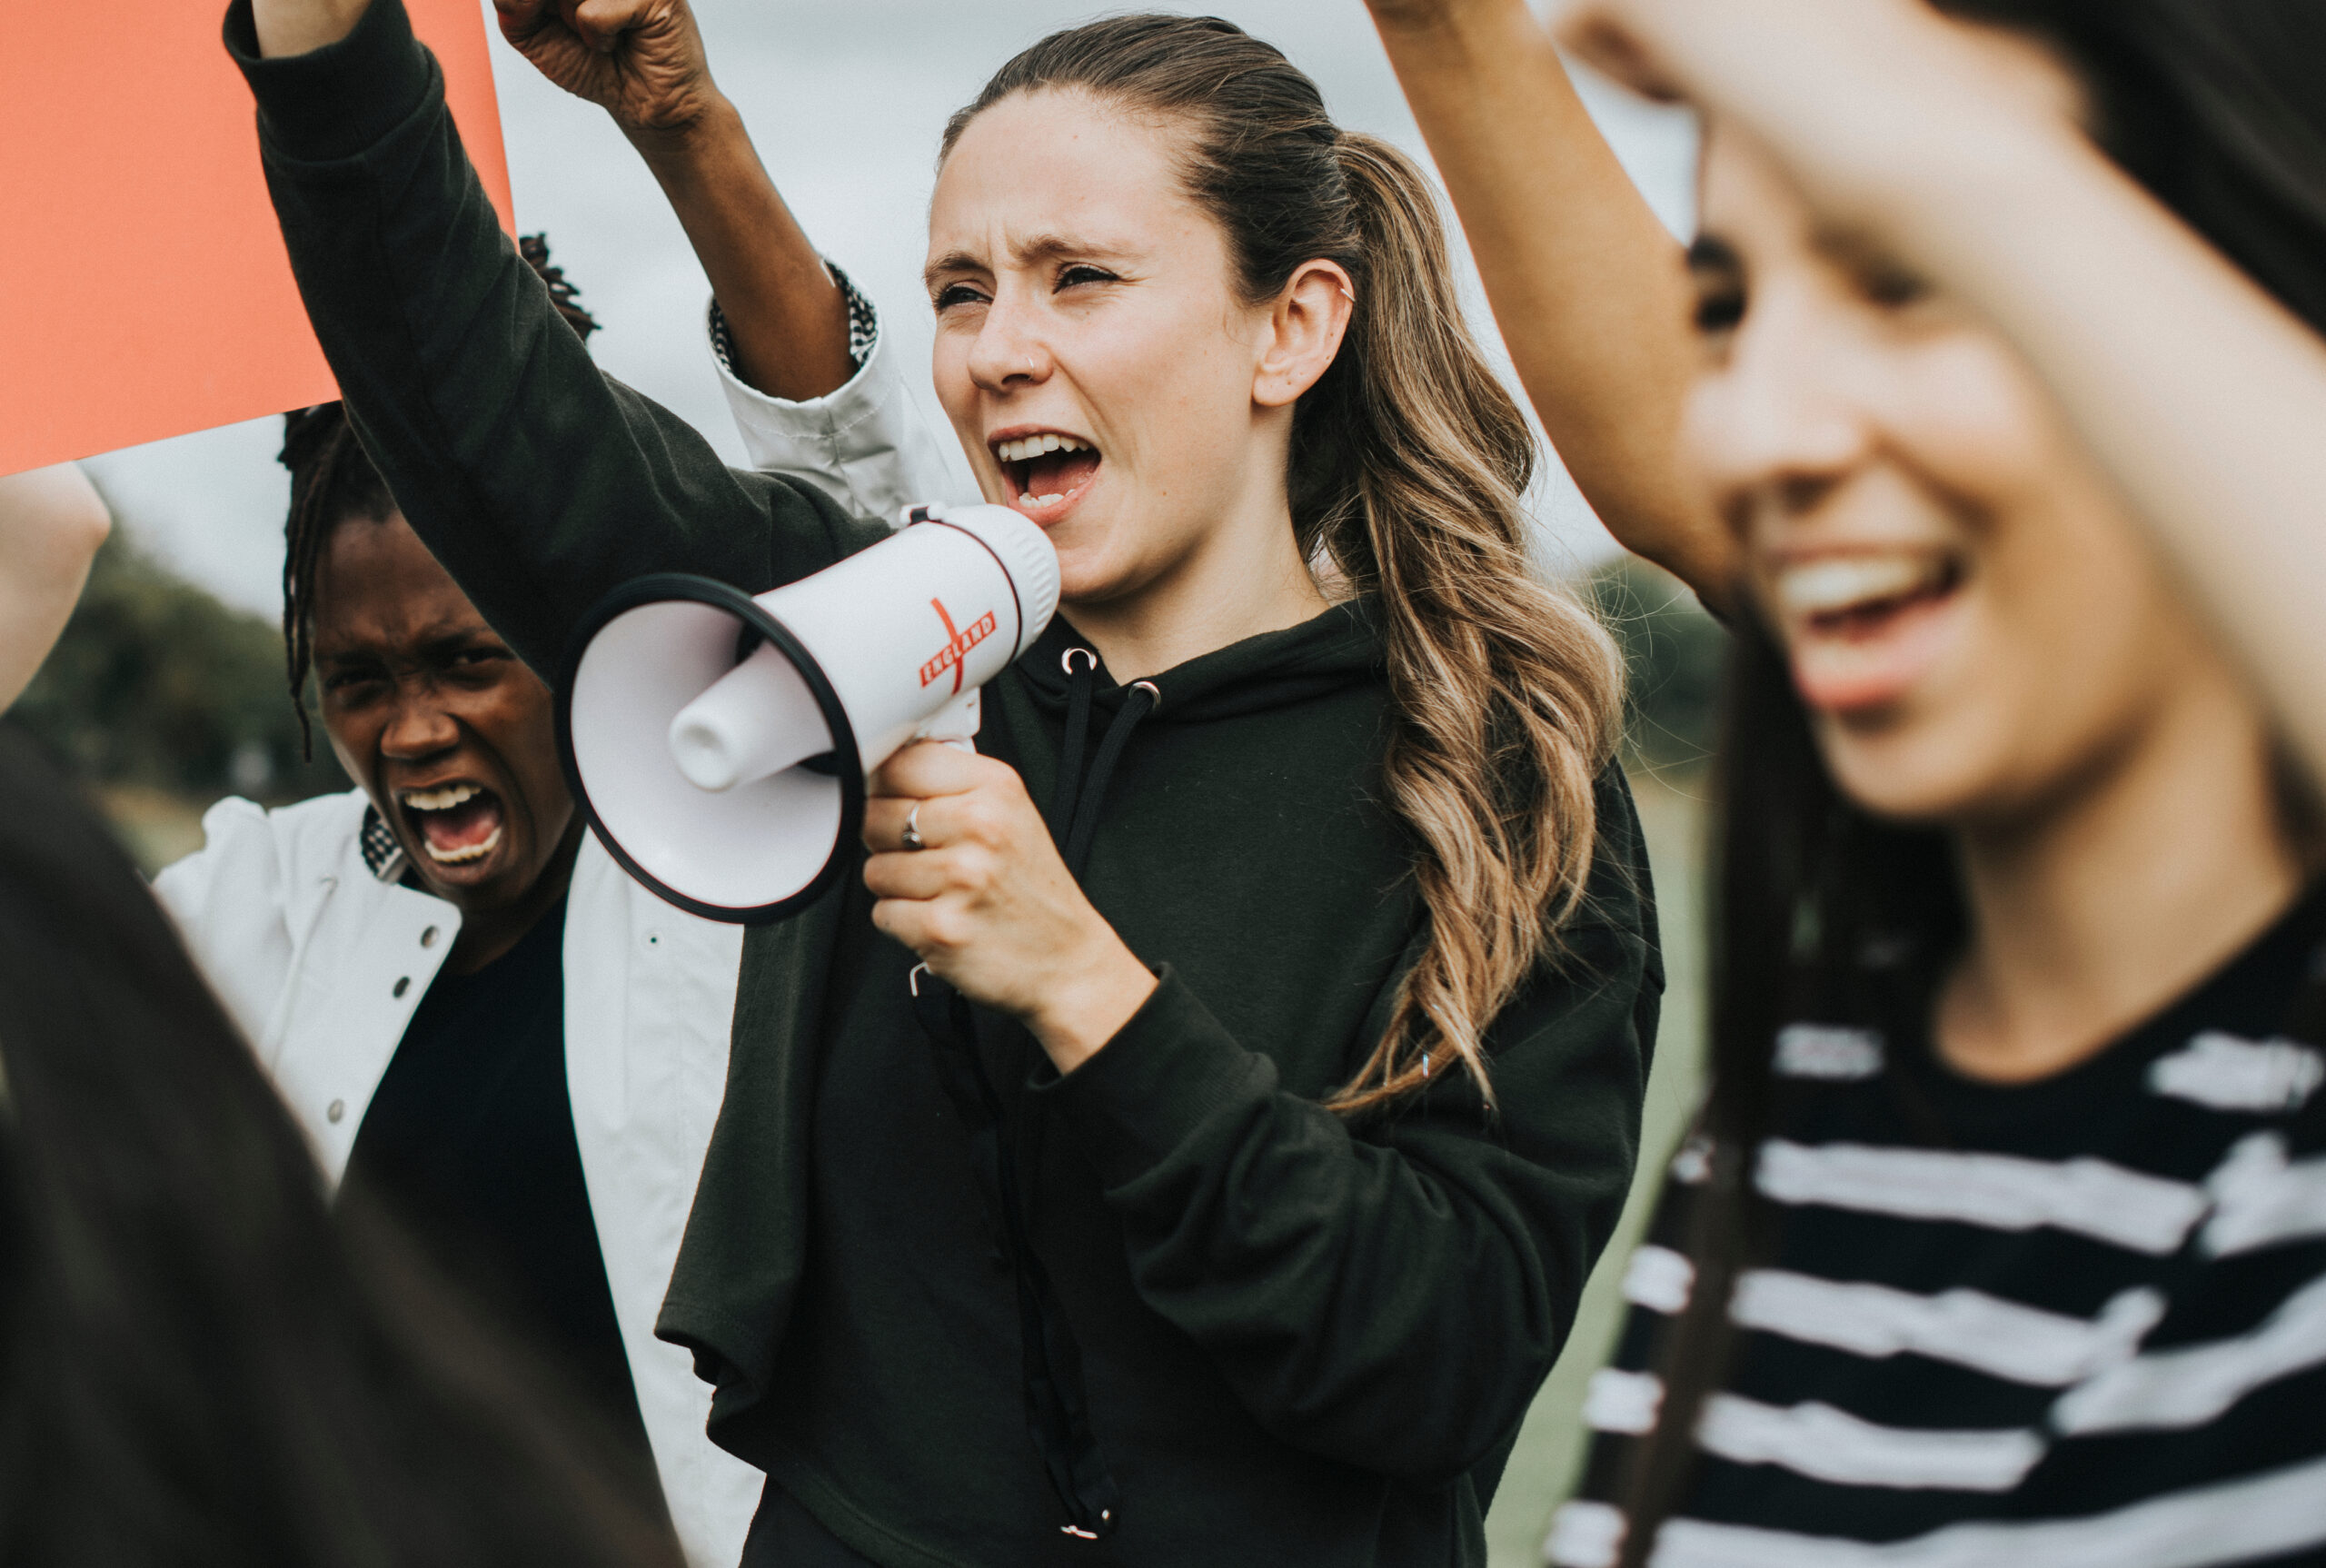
{"x": 913, "y": 840}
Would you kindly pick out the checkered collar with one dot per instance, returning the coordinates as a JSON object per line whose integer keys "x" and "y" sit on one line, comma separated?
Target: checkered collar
{"x": 381, "y": 853}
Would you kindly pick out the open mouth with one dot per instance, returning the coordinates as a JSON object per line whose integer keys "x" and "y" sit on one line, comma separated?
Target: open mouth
{"x": 1862, "y": 628}
{"x": 457, "y": 824}
{"x": 1047, "y": 471}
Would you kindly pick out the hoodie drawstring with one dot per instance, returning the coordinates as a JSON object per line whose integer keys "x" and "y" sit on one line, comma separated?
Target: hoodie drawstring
{"x": 1074, "y": 814}
{"x": 1079, "y": 682}
{"x": 1057, "y": 1411}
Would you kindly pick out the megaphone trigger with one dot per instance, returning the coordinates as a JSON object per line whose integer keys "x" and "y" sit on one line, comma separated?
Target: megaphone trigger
{"x": 721, "y": 743}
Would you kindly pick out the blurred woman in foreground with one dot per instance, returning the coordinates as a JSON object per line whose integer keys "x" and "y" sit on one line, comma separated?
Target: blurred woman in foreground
{"x": 195, "y": 1366}
{"x": 2004, "y": 1235}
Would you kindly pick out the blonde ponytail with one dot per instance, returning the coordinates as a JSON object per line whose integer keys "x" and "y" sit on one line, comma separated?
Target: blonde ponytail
{"x": 1506, "y": 690}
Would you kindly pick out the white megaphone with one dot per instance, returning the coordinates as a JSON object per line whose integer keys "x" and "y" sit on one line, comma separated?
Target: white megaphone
{"x": 719, "y": 743}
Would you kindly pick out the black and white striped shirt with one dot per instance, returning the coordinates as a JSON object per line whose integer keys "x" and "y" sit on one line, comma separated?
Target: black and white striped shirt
{"x": 2073, "y": 1323}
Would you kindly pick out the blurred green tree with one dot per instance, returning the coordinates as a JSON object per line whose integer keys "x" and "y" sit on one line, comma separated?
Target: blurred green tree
{"x": 156, "y": 685}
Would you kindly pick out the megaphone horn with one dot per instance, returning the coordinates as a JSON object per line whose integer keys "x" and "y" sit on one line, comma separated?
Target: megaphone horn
{"x": 720, "y": 743}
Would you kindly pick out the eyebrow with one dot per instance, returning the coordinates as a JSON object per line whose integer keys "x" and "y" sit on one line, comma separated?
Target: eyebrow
{"x": 1032, "y": 249}
{"x": 442, "y": 645}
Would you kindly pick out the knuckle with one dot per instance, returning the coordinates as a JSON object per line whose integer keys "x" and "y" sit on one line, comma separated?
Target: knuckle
{"x": 946, "y": 929}
{"x": 989, "y": 823}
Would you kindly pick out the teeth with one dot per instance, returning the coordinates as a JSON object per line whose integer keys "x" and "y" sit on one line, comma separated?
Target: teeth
{"x": 442, "y": 800}
{"x": 476, "y": 851}
{"x": 1034, "y": 446}
{"x": 1040, "y": 500}
{"x": 1841, "y": 582}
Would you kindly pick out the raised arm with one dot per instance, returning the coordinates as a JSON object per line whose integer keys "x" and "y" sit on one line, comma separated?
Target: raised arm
{"x": 1590, "y": 291}
{"x": 642, "y": 61}
{"x": 2204, "y": 397}
{"x": 52, "y": 521}
{"x": 539, "y": 481}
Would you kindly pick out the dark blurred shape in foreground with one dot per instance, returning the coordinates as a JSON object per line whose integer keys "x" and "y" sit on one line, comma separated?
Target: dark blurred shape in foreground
{"x": 198, "y": 1365}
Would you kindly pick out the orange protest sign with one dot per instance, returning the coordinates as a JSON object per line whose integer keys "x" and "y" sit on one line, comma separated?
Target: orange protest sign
{"x": 144, "y": 289}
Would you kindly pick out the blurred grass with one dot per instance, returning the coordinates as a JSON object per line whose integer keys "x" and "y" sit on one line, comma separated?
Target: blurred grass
{"x": 1543, "y": 1466}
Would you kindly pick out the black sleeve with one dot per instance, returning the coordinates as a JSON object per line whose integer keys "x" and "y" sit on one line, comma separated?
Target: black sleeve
{"x": 538, "y": 480}
{"x": 1389, "y": 1296}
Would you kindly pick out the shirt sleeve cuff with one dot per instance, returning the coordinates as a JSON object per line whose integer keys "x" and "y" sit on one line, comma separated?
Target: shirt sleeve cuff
{"x": 863, "y": 328}
{"x": 1165, "y": 1073}
{"x": 863, "y": 443}
{"x": 337, "y": 101}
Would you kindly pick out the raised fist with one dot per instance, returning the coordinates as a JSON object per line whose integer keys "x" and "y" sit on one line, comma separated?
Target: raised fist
{"x": 642, "y": 61}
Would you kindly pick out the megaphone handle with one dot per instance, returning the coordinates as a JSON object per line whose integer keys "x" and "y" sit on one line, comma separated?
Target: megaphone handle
{"x": 956, "y": 724}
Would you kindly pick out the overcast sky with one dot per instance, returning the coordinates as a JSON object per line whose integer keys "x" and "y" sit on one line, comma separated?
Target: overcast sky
{"x": 846, "y": 102}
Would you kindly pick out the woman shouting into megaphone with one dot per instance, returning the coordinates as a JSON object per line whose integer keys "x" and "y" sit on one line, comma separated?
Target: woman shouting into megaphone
{"x": 1232, "y": 1199}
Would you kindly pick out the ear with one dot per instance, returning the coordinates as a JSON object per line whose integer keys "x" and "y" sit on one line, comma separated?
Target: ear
{"x": 1306, "y": 325}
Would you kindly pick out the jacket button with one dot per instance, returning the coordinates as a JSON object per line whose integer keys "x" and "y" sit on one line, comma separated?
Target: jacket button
{"x": 338, "y": 1110}
{"x": 653, "y": 938}
{"x": 428, "y": 937}
{"x": 403, "y": 984}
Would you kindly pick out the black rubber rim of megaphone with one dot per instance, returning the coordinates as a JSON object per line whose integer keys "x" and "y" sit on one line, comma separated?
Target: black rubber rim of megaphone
{"x": 663, "y": 588}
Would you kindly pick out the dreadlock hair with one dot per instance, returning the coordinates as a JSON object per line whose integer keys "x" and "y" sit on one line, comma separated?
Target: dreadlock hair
{"x": 334, "y": 481}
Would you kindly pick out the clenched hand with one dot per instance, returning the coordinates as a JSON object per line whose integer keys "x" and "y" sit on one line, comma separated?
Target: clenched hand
{"x": 642, "y": 61}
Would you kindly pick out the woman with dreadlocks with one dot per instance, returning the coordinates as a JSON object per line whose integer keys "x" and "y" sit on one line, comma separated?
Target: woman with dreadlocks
{"x": 484, "y": 1024}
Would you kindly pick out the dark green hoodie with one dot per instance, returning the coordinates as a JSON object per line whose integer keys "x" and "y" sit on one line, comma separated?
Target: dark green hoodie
{"x": 1302, "y": 1340}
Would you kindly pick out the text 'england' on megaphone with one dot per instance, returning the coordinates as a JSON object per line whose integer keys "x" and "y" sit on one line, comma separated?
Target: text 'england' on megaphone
{"x": 720, "y": 743}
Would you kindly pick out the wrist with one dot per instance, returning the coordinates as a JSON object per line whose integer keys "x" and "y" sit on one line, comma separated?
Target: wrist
{"x": 690, "y": 137}
{"x": 291, "y": 27}
{"x": 1450, "y": 32}
{"x": 1089, "y": 1001}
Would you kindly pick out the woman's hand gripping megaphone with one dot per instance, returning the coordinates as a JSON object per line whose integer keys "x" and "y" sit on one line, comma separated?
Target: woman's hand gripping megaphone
{"x": 989, "y": 906}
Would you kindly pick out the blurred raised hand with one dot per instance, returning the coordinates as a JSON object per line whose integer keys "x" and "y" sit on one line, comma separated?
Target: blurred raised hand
{"x": 52, "y": 521}
{"x": 1844, "y": 91}
{"x": 642, "y": 61}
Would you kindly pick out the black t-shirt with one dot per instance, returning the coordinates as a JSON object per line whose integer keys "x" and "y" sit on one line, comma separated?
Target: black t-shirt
{"x": 470, "y": 1142}
{"x": 2075, "y": 1321}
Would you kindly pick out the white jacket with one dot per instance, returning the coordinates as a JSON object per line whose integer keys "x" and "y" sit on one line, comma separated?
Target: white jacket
{"x": 322, "y": 960}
